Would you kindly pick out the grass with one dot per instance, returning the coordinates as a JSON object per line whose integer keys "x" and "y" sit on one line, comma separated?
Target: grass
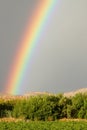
{"x": 43, "y": 125}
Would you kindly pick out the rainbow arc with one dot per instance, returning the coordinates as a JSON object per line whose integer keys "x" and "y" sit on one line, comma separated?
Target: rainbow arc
{"x": 26, "y": 46}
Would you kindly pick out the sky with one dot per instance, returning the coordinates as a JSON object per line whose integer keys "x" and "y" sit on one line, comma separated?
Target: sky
{"x": 59, "y": 61}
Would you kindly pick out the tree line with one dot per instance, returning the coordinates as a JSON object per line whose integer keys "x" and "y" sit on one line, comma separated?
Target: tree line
{"x": 45, "y": 107}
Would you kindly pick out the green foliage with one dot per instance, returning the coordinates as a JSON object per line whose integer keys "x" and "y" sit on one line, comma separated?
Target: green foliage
{"x": 45, "y": 107}
{"x": 6, "y": 108}
{"x": 79, "y": 105}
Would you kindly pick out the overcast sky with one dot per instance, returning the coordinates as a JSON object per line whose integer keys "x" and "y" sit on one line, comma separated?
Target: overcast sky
{"x": 59, "y": 61}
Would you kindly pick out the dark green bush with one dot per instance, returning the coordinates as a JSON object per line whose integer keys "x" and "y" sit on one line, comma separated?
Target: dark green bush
{"x": 45, "y": 107}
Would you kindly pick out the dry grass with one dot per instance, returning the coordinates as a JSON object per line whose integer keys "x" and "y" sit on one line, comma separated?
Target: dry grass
{"x": 23, "y": 120}
{"x": 78, "y": 120}
{"x": 11, "y": 120}
{"x": 73, "y": 93}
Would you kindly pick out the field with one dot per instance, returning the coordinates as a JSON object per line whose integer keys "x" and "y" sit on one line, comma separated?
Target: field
{"x": 43, "y": 125}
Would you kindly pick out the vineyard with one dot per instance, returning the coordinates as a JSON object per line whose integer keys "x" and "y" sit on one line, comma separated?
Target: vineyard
{"x": 41, "y": 125}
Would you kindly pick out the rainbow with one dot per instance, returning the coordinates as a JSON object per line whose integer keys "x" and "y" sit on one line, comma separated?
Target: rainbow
{"x": 27, "y": 45}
